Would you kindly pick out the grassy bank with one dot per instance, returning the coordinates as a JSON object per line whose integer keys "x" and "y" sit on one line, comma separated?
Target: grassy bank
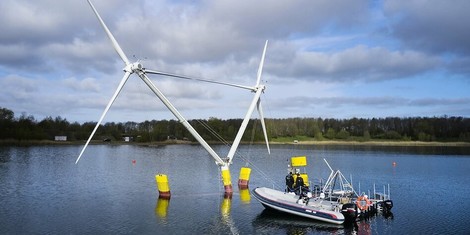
{"x": 361, "y": 142}
{"x": 377, "y": 143}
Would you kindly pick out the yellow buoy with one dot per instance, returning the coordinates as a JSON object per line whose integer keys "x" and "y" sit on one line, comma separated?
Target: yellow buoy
{"x": 227, "y": 180}
{"x": 244, "y": 178}
{"x": 163, "y": 185}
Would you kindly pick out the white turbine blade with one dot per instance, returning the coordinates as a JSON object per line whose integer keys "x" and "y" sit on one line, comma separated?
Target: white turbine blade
{"x": 118, "y": 90}
{"x": 260, "y": 69}
{"x": 110, "y": 36}
{"x": 196, "y": 79}
{"x": 263, "y": 125}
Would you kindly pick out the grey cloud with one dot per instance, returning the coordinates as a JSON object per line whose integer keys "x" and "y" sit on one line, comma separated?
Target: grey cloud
{"x": 359, "y": 63}
{"x": 375, "y": 102}
{"x": 437, "y": 26}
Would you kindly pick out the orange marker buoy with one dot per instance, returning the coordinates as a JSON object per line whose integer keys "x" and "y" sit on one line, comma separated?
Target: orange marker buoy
{"x": 394, "y": 163}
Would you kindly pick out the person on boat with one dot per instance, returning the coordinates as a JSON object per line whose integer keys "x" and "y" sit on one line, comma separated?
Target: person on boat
{"x": 299, "y": 184}
{"x": 289, "y": 182}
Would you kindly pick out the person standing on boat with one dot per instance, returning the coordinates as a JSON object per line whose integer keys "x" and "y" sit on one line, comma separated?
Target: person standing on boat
{"x": 289, "y": 182}
{"x": 299, "y": 183}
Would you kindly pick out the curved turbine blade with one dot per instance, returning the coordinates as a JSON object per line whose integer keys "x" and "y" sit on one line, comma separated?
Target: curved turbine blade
{"x": 261, "y": 118}
{"x": 260, "y": 68}
{"x": 116, "y": 93}
{"x": 196, "y": 79}
{"x": 110, "y": 36}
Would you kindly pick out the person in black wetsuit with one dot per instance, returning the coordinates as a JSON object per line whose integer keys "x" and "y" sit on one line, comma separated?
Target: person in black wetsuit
{"x": 289, "y": 182}
{"x": 299, "y": 184}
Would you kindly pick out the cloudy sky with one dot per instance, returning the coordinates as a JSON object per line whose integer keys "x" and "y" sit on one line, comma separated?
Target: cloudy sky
{"x": 325, "y": 58}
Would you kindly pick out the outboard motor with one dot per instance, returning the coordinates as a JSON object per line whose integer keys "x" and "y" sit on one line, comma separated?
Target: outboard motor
{"x": 350, "y": 211}
{"x": 387, "y": 205}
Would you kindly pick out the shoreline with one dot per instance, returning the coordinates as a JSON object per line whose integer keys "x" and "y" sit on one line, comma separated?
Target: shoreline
{"x": 309, "y": 142}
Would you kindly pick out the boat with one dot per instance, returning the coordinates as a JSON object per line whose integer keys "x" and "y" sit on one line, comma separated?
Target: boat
{"x": 334, "y": 202}
{"x": 313, "y": 208}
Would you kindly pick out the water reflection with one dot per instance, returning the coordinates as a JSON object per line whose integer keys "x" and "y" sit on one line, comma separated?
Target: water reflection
{"x": 226, "y": 204}
{"x": 5, "y": 155}
{"x": 225, "y": 208}
{"x": 245, "y": 195}
{"x": 362, "y": 227}
{"x": 161, "y": 208}
{"x": 271, "y": 221}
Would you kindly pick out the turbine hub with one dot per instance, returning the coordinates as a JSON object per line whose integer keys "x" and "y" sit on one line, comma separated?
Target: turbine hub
{"x": 131, "y": 68}
{"x": 136, "y": 66}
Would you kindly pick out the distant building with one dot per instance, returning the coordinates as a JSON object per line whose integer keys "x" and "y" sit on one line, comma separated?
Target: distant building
{"x": 60, "y": 138}
{"x": 127, "y": 138}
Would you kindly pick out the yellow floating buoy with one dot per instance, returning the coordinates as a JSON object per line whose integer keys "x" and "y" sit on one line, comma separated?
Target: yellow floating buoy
{"x": 163, "y": 185}
{"x": 244, "y": 178}
{"x": 227, "y": 180}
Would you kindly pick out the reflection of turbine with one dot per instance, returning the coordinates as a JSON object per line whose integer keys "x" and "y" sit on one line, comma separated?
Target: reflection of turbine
{"x": 161, "y": 209}
{"x": 245, "y": 195}
{"x": 225, "y": 207}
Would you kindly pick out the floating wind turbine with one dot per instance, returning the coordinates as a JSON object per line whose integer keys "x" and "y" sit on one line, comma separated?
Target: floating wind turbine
{"x": 137, "y": 68}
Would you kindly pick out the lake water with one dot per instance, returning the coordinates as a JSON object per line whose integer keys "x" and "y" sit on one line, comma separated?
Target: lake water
{"x": 42, "y": 191}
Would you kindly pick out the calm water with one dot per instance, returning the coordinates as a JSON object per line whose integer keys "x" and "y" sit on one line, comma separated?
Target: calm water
{"x": 42, "y": 191}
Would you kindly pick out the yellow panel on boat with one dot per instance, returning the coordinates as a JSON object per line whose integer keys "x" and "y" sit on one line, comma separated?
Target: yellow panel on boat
{"x": 299, "y": 161}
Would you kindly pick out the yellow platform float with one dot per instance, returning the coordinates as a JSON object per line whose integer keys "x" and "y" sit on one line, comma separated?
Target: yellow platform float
{"x": 244, "y": 178}
{"x": 163, "y": 185}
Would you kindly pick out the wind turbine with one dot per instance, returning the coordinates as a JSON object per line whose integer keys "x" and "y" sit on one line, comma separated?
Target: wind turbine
{"x": 137, "y": 67}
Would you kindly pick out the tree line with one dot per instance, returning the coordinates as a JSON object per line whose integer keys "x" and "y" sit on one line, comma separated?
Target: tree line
{"x": 26, "y": 127}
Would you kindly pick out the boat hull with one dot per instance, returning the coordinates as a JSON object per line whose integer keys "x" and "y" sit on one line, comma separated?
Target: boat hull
{"x": 288, "y": 203}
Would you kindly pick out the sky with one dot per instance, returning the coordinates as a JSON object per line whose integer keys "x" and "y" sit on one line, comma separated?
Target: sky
{"x": 325, "y": 58}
